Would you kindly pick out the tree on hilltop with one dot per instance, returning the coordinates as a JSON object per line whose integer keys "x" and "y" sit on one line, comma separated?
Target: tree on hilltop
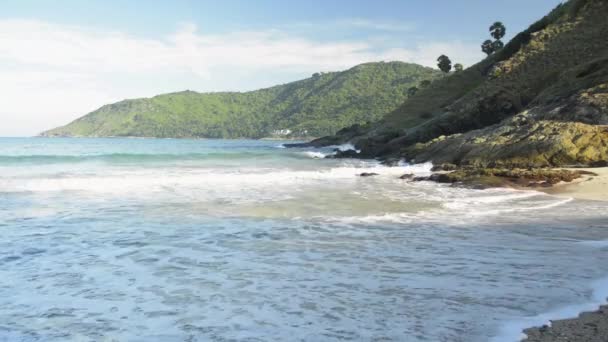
{"x": 487, "y": 47}
{"x": 497, "y": 45}
{"x": 497, "y": 31}
{"x": 444, "y": 63}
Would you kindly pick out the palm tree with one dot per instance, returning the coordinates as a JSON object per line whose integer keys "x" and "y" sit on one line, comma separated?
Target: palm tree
{"x": 498, "y": 30}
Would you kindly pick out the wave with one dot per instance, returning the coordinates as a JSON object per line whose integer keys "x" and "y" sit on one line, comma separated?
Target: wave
{"x": 316, "y": 155}
{"x": 149, "y": 179}
{"x": 516, "y": 200}
{"x": 513, "y": 330}
{"x": 346, "y": 147}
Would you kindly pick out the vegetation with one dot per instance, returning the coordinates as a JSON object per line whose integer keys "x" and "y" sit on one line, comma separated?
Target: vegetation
{"x": 458, "y": 67}
{"x": 444, "y": 63}
{"x": 497, "y": 31}
{"x": 425, "y": 83}
{"x": 316, "y": 106}
{"x": 487, "y": 47}
{"x": 539, "y": 101}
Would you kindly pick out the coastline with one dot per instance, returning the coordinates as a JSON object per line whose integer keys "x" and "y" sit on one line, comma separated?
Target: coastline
{"x": 589, "y": 325}
{"x": 588, "y": 187}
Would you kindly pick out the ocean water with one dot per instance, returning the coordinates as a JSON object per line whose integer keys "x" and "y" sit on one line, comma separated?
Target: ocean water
{"x": 211, "y": 240}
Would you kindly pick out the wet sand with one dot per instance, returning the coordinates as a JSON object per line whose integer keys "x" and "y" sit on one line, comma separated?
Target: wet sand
{"x": 588, "y": 187}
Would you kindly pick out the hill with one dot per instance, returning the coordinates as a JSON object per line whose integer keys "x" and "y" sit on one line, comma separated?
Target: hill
{"x": 316, "y": 106}
{"x": 540, "y": 101}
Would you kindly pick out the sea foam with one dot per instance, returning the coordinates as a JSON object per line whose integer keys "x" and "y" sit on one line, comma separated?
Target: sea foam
{"x": 512, "y": 331}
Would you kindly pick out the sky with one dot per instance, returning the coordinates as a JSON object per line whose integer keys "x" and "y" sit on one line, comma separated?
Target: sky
{"x": 60, "y": 59}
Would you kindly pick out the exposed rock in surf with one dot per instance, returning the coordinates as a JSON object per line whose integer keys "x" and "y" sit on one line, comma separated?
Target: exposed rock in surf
{"x": 407, "y": 176}
{"x": 490, "y": 177}
{"x": 368, "y": 174}
{"x": 346, "y": 154}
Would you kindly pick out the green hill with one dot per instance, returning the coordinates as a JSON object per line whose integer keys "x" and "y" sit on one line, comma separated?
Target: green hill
{"x": 316, "y": 106}
{"x": 540, "y": 101}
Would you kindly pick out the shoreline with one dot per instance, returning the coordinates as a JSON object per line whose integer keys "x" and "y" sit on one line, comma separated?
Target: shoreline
{"x": 588, "y": 187}
{"x": 587, "y": 321}
{"x": 588, "y": 324}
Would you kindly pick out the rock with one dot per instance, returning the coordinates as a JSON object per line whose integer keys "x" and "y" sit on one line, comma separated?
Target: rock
{"x": 482, "y": 178}
{"x": 407, "y": 176}
{"x": 536, "y": 144}
{"x": 444, "y": 167}
{"x": 599, "y": 163}
{"x": 368, "y": 174}
{"x": 445, "y": 177}
{"x": 346, "y": 154}
{"x": 588, "y": 327}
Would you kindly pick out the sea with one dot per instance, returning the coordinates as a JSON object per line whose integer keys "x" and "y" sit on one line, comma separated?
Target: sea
{"x": 122, "y": 239}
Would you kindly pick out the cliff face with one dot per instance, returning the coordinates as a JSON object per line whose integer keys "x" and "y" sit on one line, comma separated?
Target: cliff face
{"x": 540, "y": 101}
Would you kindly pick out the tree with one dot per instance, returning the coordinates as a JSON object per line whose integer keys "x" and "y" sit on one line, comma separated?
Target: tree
{"x": 444, "y": 63}
{"x": 497, "y": 45}
{"x": 458, "y": 67}
{"x": 498, "y": 30}
{"x": 487, "y": 47}
{"x": 412, "y": 91}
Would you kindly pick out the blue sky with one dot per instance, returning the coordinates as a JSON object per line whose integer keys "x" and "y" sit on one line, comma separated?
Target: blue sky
{"x": 61, "y": 59}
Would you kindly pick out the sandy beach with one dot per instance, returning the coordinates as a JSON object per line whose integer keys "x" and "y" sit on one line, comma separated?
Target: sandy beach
{"x": 588, "y": 187}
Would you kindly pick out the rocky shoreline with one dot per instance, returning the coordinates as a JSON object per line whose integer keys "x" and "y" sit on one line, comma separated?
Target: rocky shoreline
{"x": 587, "y": 327}
{"x": 482, "y": 178}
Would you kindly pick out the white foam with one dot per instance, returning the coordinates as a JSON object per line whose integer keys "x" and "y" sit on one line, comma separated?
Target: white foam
{"x": 512, "y": 331}
{"x": 121, "y": 181}
{"x": 347, "y": 147}
{"x": 316, "y": 155}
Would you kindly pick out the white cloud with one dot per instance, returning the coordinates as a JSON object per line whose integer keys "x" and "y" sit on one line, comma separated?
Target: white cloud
{"x": 51, "y": 74}
{"x": 347, "y": 25}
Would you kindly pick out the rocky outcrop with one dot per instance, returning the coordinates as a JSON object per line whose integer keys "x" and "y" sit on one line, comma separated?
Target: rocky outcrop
{"x": 498, "y": 177}
{"x": 568, "y": 126}
{"x": 541, "y": 101}
{"x": 519, "y": 142}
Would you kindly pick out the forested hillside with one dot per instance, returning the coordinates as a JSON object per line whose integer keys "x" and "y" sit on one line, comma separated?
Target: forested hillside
{"x": 316, "y": 106}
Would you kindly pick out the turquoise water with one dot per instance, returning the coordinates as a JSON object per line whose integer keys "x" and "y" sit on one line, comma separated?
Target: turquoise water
{"x": 211, "y": 240}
